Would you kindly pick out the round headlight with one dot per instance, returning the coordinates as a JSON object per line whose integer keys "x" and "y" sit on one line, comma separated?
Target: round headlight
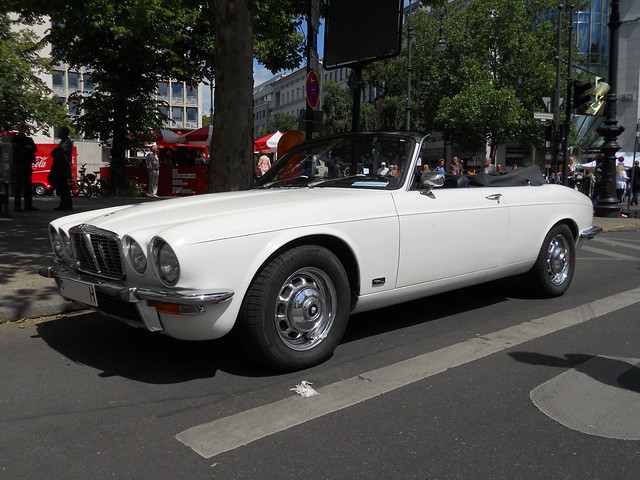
{"x": 57, "y": 243}
{"x": 66, "y": 243}
{"x": 168, "y": 265}
{"x": 136, "y": 256}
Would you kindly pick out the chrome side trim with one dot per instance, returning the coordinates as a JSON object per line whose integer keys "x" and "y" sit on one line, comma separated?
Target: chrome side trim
{"x": 588, "y": 234}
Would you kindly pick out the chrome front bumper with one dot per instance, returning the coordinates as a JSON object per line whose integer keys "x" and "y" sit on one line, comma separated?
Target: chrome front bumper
{"x": 141, "y": 297}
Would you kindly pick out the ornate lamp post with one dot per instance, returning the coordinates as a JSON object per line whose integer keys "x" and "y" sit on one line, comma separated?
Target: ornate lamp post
{"x": 607, "y": 203}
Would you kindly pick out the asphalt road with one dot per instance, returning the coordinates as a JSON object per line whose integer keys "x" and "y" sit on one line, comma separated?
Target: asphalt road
{"x": 483, "y": 383}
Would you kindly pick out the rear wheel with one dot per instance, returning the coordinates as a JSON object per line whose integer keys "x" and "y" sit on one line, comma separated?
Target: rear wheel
{"x": 552, "y": 273}
{"x": 296, "y": 310}
{"x": 40, "y": 189}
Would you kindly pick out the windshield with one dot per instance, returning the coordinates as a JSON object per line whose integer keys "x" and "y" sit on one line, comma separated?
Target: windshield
{"x": 351, "y": 160}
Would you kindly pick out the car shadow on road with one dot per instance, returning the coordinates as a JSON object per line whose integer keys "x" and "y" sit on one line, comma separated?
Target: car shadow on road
{"x": 434, "y": 307}
{"x": 117, "y": 349}
{"x": 629, "y": 380}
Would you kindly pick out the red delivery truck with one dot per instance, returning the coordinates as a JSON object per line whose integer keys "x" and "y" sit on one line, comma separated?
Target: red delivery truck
{"x": 42, "y": 167}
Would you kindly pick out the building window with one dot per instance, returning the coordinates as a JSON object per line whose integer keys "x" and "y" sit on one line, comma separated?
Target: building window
{"x": 177, "y": 116}
{"x": 177, "y": 93}
{"x": 73, "y": 81}
{"x": 87, "y": 83}
{"x": 164, "y": 113}
{"x": 58, "y": 81}
{"x": 192, "y": 117}
{"x": 192, "y": 95}
{"x": 163, "y": 91}
{"x": 74, "y": 108}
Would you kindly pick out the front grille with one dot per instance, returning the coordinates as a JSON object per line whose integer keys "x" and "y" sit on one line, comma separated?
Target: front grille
{"x": 97, "y": 251}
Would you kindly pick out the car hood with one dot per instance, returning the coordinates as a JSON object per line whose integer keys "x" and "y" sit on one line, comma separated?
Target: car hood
{"x": 224, "y": 215}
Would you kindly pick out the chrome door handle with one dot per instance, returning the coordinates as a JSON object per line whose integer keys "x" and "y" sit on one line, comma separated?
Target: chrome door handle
{"x": 495, "y": 196}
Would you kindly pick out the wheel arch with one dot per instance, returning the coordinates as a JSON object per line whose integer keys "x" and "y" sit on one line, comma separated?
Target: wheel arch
{"x": 335, "y": 245}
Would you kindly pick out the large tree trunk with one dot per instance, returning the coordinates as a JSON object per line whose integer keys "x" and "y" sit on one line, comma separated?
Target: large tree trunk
{"x": 231, "y": 165}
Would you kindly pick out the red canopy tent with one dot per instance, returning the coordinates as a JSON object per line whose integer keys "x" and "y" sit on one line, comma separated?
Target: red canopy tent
{"x": 200, "y": 136}
{"x": 268, "y": 142}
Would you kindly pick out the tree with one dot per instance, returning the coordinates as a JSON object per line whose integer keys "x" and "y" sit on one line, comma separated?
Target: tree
{"x": 277, "y": 43}
{"x": 128, "y": 47}
{"x": 498, "y": 63}
{"x": 280, "y": 121}
{"x": 23, "y": 94}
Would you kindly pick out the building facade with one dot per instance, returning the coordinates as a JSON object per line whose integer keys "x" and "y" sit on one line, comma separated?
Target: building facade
{"x": 180, "y": 104}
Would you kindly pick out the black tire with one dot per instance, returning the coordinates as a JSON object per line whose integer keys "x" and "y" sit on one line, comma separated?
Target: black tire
{"x": 552, "y": 273}
{"x": 296, "y": 309}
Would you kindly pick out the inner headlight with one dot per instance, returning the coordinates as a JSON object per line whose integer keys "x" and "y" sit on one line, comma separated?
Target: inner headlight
{"x": 167, "y": 263}
{"x": 56, "y": 242}
{"x": 136, "y": 255}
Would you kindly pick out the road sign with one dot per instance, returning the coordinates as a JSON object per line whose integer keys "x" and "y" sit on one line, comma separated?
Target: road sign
{"x": 313, "y": 89}
{"x": 543, "y": 116}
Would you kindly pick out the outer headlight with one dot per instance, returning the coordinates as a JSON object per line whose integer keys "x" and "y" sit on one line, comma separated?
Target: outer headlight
{"x": 66, "y": 243}
{"x": 166, "y": 262}
{"x": 136, "y": 255}
{"x": 56, "y": 242}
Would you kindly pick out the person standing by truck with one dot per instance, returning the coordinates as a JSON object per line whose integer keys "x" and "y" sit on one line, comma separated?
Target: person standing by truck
{"x": 61, "y": 169}
{"x": 24, "y": 156}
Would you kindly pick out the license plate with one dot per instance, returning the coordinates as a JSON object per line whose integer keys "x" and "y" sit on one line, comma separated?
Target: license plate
{"x": 80, "y": 291}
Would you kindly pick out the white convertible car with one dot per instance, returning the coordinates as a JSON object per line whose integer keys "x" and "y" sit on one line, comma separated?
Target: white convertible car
{"x": 327, "y": 232}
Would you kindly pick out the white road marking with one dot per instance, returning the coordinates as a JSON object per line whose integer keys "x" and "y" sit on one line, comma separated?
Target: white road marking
{"x": 617, "y": 243}
{"x": 228, "y": 433}
{"x": 590, "y": 400}
{"x": 608, "y": 253}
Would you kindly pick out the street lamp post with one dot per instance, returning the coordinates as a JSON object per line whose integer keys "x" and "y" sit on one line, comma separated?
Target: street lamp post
{"x": 607, "y": 203}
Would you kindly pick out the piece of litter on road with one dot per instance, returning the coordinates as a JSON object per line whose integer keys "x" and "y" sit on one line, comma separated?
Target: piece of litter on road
{"x": 304, "y": 389}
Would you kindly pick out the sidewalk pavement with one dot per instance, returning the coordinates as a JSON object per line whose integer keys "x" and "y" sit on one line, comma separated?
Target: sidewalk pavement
{"x": 25, "y": 247}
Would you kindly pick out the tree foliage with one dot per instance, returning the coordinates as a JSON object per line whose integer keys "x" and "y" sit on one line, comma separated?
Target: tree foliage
{"x": 498, "y": 63}
{"x": 23, "y": 94}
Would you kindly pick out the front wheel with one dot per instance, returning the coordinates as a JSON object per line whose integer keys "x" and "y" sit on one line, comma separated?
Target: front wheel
{"x": 552, "y": 273}
{"x": 296, "y": 309}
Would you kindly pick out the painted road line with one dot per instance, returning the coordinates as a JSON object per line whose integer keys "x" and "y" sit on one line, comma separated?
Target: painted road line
{"x": 237, "y": 430}
{"x": 617, "y": 243}
{"x": 608, "y": 253}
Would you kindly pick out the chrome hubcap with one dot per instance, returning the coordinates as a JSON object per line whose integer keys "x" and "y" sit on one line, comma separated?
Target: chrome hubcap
{"x": 305, "y": 309}
{"x": 558, "y": 260}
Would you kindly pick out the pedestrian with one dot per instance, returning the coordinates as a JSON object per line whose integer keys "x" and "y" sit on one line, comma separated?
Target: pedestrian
{"x": 457, "y": 166}
{"x": 621, "y": 179}
{"x": 383, "y": 170}
{"x": 153, "y": 169}
{"x": 264, "y": 164}
{"x": 440, "y": 166}
{"x": 60, "y": 173}
{"x": 634, "y": 175}
{"x": 489, "y": 167}
{"x": 24, "y": 156}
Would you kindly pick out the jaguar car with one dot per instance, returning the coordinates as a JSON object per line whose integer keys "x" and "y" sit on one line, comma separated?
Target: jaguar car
{"x": 339, "y": 225}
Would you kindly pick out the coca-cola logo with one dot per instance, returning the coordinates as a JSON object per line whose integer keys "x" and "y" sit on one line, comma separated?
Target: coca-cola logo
{"x": 41, "y": 161}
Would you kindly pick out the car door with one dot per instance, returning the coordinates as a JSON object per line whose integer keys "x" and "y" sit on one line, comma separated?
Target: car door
{"x": 451, "y": 232}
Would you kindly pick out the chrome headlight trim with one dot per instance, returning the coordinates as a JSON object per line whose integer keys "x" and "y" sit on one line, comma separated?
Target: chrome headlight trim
{"x": 167, "y": 264}
{"x": 56, "y": 242}
{"x": 135, "y": 254}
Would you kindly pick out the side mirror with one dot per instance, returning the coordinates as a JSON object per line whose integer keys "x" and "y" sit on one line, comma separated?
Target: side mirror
{"x": 429, "y": 180}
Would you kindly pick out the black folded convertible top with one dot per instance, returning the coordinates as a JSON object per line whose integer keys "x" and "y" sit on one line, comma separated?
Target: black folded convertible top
{"x": 521, "y": 176}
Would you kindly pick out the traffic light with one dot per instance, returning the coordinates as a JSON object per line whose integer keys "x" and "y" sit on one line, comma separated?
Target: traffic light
{"x": 600, "y": 94}
{"x": 579, "y": 93}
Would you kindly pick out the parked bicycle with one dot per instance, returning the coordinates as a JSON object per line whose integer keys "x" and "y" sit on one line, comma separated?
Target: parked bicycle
{"x": 88, "y": 184}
